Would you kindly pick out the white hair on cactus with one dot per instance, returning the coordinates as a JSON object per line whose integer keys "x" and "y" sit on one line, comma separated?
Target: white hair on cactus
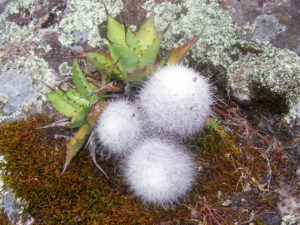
{"x": 175, "y": 100}
{"x": 159, "y": 172}
{"x": 119, "y": 128}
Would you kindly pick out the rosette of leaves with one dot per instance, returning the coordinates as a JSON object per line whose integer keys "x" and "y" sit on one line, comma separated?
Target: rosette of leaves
{"x": 132, "y": 57}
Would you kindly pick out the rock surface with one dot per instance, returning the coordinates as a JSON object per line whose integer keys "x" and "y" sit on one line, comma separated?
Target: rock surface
{"x": 41, "y": 33}
{"x": 17, "y": 90}
{"x": 254, "y": 45}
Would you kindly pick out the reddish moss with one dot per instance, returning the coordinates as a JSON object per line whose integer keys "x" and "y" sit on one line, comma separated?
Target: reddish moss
{"x": 3, "y": 218}
{"x": 225, "y": 168}
{"x": 82, "y": 195}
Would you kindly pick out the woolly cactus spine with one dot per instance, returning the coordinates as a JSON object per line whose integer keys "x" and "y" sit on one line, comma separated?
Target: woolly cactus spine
{"x": 119, "y": 128}
{"x": 175, "y": 101}
{"x": 159, "y": 172}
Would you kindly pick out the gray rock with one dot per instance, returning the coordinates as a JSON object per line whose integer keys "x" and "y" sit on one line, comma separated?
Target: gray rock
{"x": 273, "y": 217}
{"x": 10, "y": 207}
{"x": 266, "y": 27}
{"x": 18, "y": 90}
{"x": 298, "y": 51}
{"x": 296, "y": 110}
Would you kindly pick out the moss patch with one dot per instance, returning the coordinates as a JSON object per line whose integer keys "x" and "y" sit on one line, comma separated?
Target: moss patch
{"x": 83, "y": 195}
{"x": 3, "y": 218}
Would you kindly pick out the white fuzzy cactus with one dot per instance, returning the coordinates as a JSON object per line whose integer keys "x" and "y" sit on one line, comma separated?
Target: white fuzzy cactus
{"x": 159, "y": 172}
{"x": 119, "y": 128}
{"x": 176, "y": 100}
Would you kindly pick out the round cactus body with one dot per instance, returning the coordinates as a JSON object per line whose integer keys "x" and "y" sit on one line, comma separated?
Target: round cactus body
{"x": 119, "y": 128}
{"x": 159, "y": 172}
{"x": 175, "y": 100}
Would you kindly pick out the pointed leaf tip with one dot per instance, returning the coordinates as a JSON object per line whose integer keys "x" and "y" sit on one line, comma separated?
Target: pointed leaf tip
{"x": 176, "y": 55}
{"x": 115, "y": 31}
{"x": 146, "y": 34}
{"x": 150, "y": 54}
{"x": 76, "y": 143}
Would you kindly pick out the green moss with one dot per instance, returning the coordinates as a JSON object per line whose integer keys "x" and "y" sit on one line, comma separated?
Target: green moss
{"x": 82, "y": 195}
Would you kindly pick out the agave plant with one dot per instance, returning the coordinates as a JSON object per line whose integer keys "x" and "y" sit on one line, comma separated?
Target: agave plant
{"x": 132, "y": 57}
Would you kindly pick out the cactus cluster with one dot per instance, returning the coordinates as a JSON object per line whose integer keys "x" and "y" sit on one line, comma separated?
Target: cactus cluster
{"x": 173, "y": 105}
{"x": 173, "y": 100}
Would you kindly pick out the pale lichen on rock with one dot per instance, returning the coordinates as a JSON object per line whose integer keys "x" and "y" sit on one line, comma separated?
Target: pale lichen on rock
{"x": 37, "y": 69}
{"x": 189, "y": 19}
{"x": 18, "y": 47}
{"x": 86, "y": 16}
{"x": 24, "y": 43}
{"x": 14, "y": 6}
{"x": 65, "y": 69}
{"x": 12, "y": 33}
{"x": 275, "y": 70}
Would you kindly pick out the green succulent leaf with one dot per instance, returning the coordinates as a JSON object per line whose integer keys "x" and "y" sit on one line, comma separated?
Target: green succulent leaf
{"x": 131, "y": 41}
{"x": 80, "y": 117}
{"x": 151, "y": 53}
{"x": 62, "y": 105}
{"x": 76, "y": 143}
{"x": 128, "y": 60}
{"x": 81, "y": 83}
{"x": 112, "y": 73}
{"x": 104, "y": 64}
{"x": 76, "y": 98}
{"x": 139, "y": 75}
{"x": 115, "y": 31}
{"x": 163, "y": 60}
{"x": 177, "y": 54}
{"x": 100, "y": 60}
{"x": 146, "y": 34}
